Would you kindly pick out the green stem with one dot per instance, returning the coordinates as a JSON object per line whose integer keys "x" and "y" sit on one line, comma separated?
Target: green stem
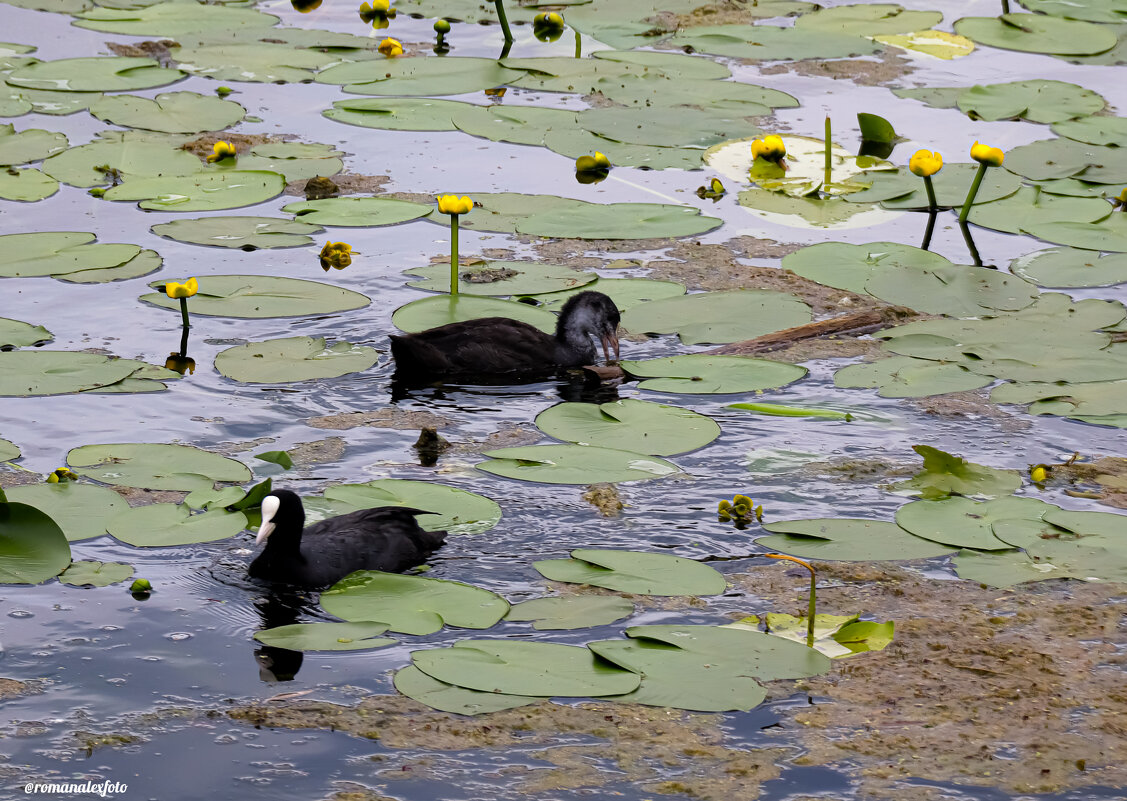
{"x": 184, "y": 313}
{"x": 932, "y": 206}
{"x": 826, "y": 180}
{"x": 184, "y": 342}
{"x": 454, "y": 254}
{"x": 811, "y": 610}
{"x": 975, "y": 257}
{"x": 578, "y": 45}
{"x": 973, "y": 191}
{"x": 1005, "y": 6}
{"x": 500, "y": 5}
{"x": 928, "y": 231}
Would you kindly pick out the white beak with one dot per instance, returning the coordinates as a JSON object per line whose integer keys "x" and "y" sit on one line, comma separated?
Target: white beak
{"x": 270, "y": 506}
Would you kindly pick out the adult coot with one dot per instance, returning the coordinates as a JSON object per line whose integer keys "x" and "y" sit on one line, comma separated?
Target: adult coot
{"x": 497, "y": 347}
{"x": 384, "y": 538}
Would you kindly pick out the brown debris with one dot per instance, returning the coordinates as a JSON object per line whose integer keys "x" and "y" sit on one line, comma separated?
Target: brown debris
{"x": 317, "y": 452}
{"x": 345, "y": 183}
{"x": 160, "y": 51}
{"x": 399, "y": 419}
{"x": 605, "y": 498}
{"x": 863, "y": 72}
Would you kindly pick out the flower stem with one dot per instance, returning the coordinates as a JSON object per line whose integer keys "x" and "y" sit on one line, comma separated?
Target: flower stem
{"x": 928, "y": 231}
{"x": 932, "y": 206}
{"x": 826, "y": 179}
{"x": 454, "y": 250}
{"x": 812, "y": 605}
{"x": 1005, "y": 6}
{"x": 500, "y": 5}
{"x": 974, "y": 255}
{"x": 184, "y": 313}
{"x": 977, "y": 182}
{"x": 578, "y": 45}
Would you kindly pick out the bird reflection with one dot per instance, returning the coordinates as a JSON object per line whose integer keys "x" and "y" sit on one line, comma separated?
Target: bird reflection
{"x": 281, "y": 608}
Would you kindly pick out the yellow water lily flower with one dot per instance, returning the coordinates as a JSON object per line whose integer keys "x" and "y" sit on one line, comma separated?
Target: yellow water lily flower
{"x": 549, "y": 19}
{"x": 595, "y": 163}
{"x": 452, "y": 204}
{"x": 61, "y": 475}
{"x": 184, "y": 290}
{"x": 984, "y": 154}
{"x": 180, "y": 363}
{"x": 391, "y": 47}
{"x": 924, "y": 163}
{"x": 769, "y": 148}
{"x": 222, "y": 150}
{"x": 1039, "y": 474}
{"x": 337, "y": 255}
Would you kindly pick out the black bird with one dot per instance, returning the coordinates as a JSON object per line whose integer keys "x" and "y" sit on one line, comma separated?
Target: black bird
{"x": 384, "y": 538}
{"x": 497, "y": 347}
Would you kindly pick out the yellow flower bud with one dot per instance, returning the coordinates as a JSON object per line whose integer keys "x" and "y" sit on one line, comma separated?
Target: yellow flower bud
{"x": 769, "y": 148}
{"x": 984, "y": 154}
{"x": 723, "y": 506}
{"x": 925, "y": 163}
{"x": 1039, "y": 474}
{"x": 746, "y": 501}
{"x": 222, "y": 150}
{"x": 716, "y": 187}
{"x": 336, "y": 254}
{"x": 452, "y": 204}
{"x": 595, "y": 163}
{"x": 549, "y": 19}
{"x": 184, "y": 290}
{"x": 390, "y": 47}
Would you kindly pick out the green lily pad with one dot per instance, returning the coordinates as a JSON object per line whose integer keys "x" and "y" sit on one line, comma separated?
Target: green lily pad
{"x": 836, "y": 636}
{"x": 357, "y": 211}
{"x": 629, "y": 424}
{"x": 1048, "y": 159}
{"x": 625, "y": 292}
{"x": 718, "y": 317}
{"x": 58, "y": 253}
{"x": 145, "y": 262}
{"x": 1094, "y": 130}
{"x": 502, "y": 278}
{"x": 634, "y": 572}
{"x": 1035, "y": 33}
{"x": 571, "y": 612}
{"x": 15, "y": 100}
{"x": 444, "y": 697}
{"x": 1091, "y": 11}
{"x": 420, "y": 315}
{"x": 733, "y": 97}
{"x": 95, "y": 574}
{"x": 525, "y": 668}
{"x": 412, "y": 604}
{"x": 326, "y": 636}
{"x": 259, "y": 296}
{"x": 810, "y": 212}
{"x": 42, "y": 372}
{"x": 1033, "y": 209}
{"x": 451, "y": 509}
{"x": 133, "y": 157}
{"x": 1069, "y": 267}
{"x": 617, "y": 221}
{"x": 1007, "y": 568}
{"x": 258, "y": 62}
{"x": 289, "y": 359}
{"x": 173, "y": 112}
{"x": 900, "y": 189}
{"x": 574, "y": 464}
{"x": 98, "y": 74}
{"x": 575, "y": 142}
{"x": 769, "y": 43}
{"x": 26, "y": 186}
{"x": 17, "y": 334}
{"x": 33, "y": 548}
{"x": 1108, "y": 234}
{"x": 245, "y": 233}
{"x": 702, "y": 374}
{"x": 522, "y": 125}
{"x": 212, "y": 191}
{"x": 162, "y": 525}
{"x": 172, "y": 19}
{"x": 1037, "y": 101}
{"x": 905, "y": 377}
{"x": 848, "y": 540}
{"x": 574, "y": 75}
{"x": 665, "y": 127}
{"x": 945, "y": 474}
{"x": 155, "y": 466}
{"x": 8, "y": 451}
{"x": 869, "y": 20}
{"x": 216, "y": 498}
{"x": 82, "y": 511}
{"x": 32, "y": 144}
{"x": 398, "y": 113}
{"x": 963, "y": 523}
{"x": 1079, "y": 400}
{"x": 418, "y": 77}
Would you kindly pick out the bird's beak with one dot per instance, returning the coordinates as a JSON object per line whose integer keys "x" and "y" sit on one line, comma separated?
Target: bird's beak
{"x": 610, "y": 340}
{"x": 264, "y": 531}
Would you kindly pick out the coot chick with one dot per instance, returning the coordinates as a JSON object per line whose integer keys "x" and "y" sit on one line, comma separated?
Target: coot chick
{"x": 497, "y": 347}
{"x": 384, "y": 538}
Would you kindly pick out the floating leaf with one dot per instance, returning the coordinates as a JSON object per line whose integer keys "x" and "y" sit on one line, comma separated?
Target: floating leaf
{"x": 227, "y": 497}
{"x": 869, "y": 20}
{"x": 836, "y": 636}
{"x": 212, "y": 191}
{"x": 245, "y": 233}
{"x": 145, "y": 262}
{"x": 172, "y": 19}
{"x": 629, "y": 424}
{"x": 281, "y": 458}
{"x": 524, "y": 668}
{"x": 99, "y": 74}
{"x": 293, "y": 359}
{"x": 260, "y": 62}
{"x": 618, "y": 221}
{"x": 634, "y": 572}
{"x": 1068, "y": 267}
{"x": 1099, "y": 130}
{"x": 571, "y": 611}
{"x": 8, "y": 451}
{"x": 625, "y": 292}
{"x": 769, "y": 43}
{"x": 32, "y": 547}
{"x": 444, "y": 697}
{"x": 95, "y": 574}
{"x": 399, "y": 113}
{"x": 1030, "y": 209}
{"x": 259, "y": 296}
{"x": 940, "y": 44}
{"x": 502, "y": 278}
{"x": 945, "y": 474}
{"x": 900, "y": 189}
{"x": 17, "y": 334}
{"x": 82, "y": 511}
{"x": 172, "y": 112}
{"x": 128, "y": 153}
{"x": 32, "y": 144}
{"x": 849, "y": 540}
{"x": 1049, "y": 159}
{"x": 155, "y": 466}
{"x": 26, "y": 186}
{"x": 810, "y": 212}
{"x": 1034, "y": 33}
{"x": 411, "y": 604}
{"x": 665, "y": 127}
{"x": 1037, "y": 101}
{"x": 783, "y": 410}
{"x": 43, "y": 372}
{"x": 521, "y": 125}
{"x": 450, "y": 509}
{"x": 326, "y": 636}
{"x": 963, "y": 523}
{"x": 415, "y": 77}
{"x": 58, "y": 253}
{"x": 574, "y": 464}
{"x": 1109, "y": 234}
{"x": 357, "y": 211}
{"x": 702, "y": 374}
{"x": 162, "y": 525}
{"x": 904, "y": 377}
{"x": 420, "y": 315}
{"x": 718, "y": 317}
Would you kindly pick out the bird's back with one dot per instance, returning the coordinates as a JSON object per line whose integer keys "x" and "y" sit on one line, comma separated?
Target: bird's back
{"x": 488, "y": 346}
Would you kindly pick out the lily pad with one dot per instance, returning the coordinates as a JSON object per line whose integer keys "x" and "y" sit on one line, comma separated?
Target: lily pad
{"x": 212, "y": 191}
{"x": 260, "y": 296}
{"x": 571, "y": 612}
{"x": 940, "y": 44}
{"x": 869, "y": 20}
{"x": 451, "y": 509}
{"x": 8, "y": 451}
{"x": 525, "y": 668}
{"x": 32, "y": 144}
{"x": 945, "y": 474}
{"x": 444, "y": 697}
{"x": 836, "y": 636}
{"x": 94, "y": 163}
{"x": 58, "y": 253}
{"x": 96, "y": 574}
{"x": 1069, "y": 267}
{"x": 810, "y": 212}
{"x": 849, "y": 540}
{"x": 420, "y": 315}
{"x": 17, "y": 334}
{"x": 1108, "y": 234}
{"x": 418, "y": 77}
{"x": 412, "y": 604}
{"x": 1049, "y": 159}
{"x": 718, "y": 317}
{"x": 326, "y": 636}
{"x": 521, "y": 125}
{"x": 1037, "y": 101}
{"x": 1035, "y": 33}
{"x": 502, "y": 278}
{"x": 629, "y": 424}
{"x": 702, "y": 374}
{"x": 905, "y": 377}
{"x": 81, "y": 510}
{"x": 574, "y": 464}
{"x": 145, "y": 262}
{"x": 1100, "y": 130}
{"x": 155, "y": 466}
{"x": 398, "y": 113}
{"x": 769, "y": 43}
{"x": 173, "y": 112}
{"x": 634, "y": 572}
{"x": 98, "y": 74}
{"x": 245, "y": 233}
{"x": 33, "y": 548}
{"x": 963, "y": 523}
{"x": 625, "y": 292}
{"x": 900, "y": 189}
{"x": 162, "y": 525}
{"x": 289, "y": 359}
{"x": 1032, "y": 209}
{"x": 617, "y": 221}
{"x": 665, "y": 126}
{"x": 172, "y": 19}
{"x": 27, "y": 185}
{"x": 42, "y": 372}
{"x": 258, "y": 62}
{"x": 357, "y": 211}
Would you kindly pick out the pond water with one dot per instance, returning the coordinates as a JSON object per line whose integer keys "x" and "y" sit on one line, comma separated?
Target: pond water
{"x": 138, "y": 691}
